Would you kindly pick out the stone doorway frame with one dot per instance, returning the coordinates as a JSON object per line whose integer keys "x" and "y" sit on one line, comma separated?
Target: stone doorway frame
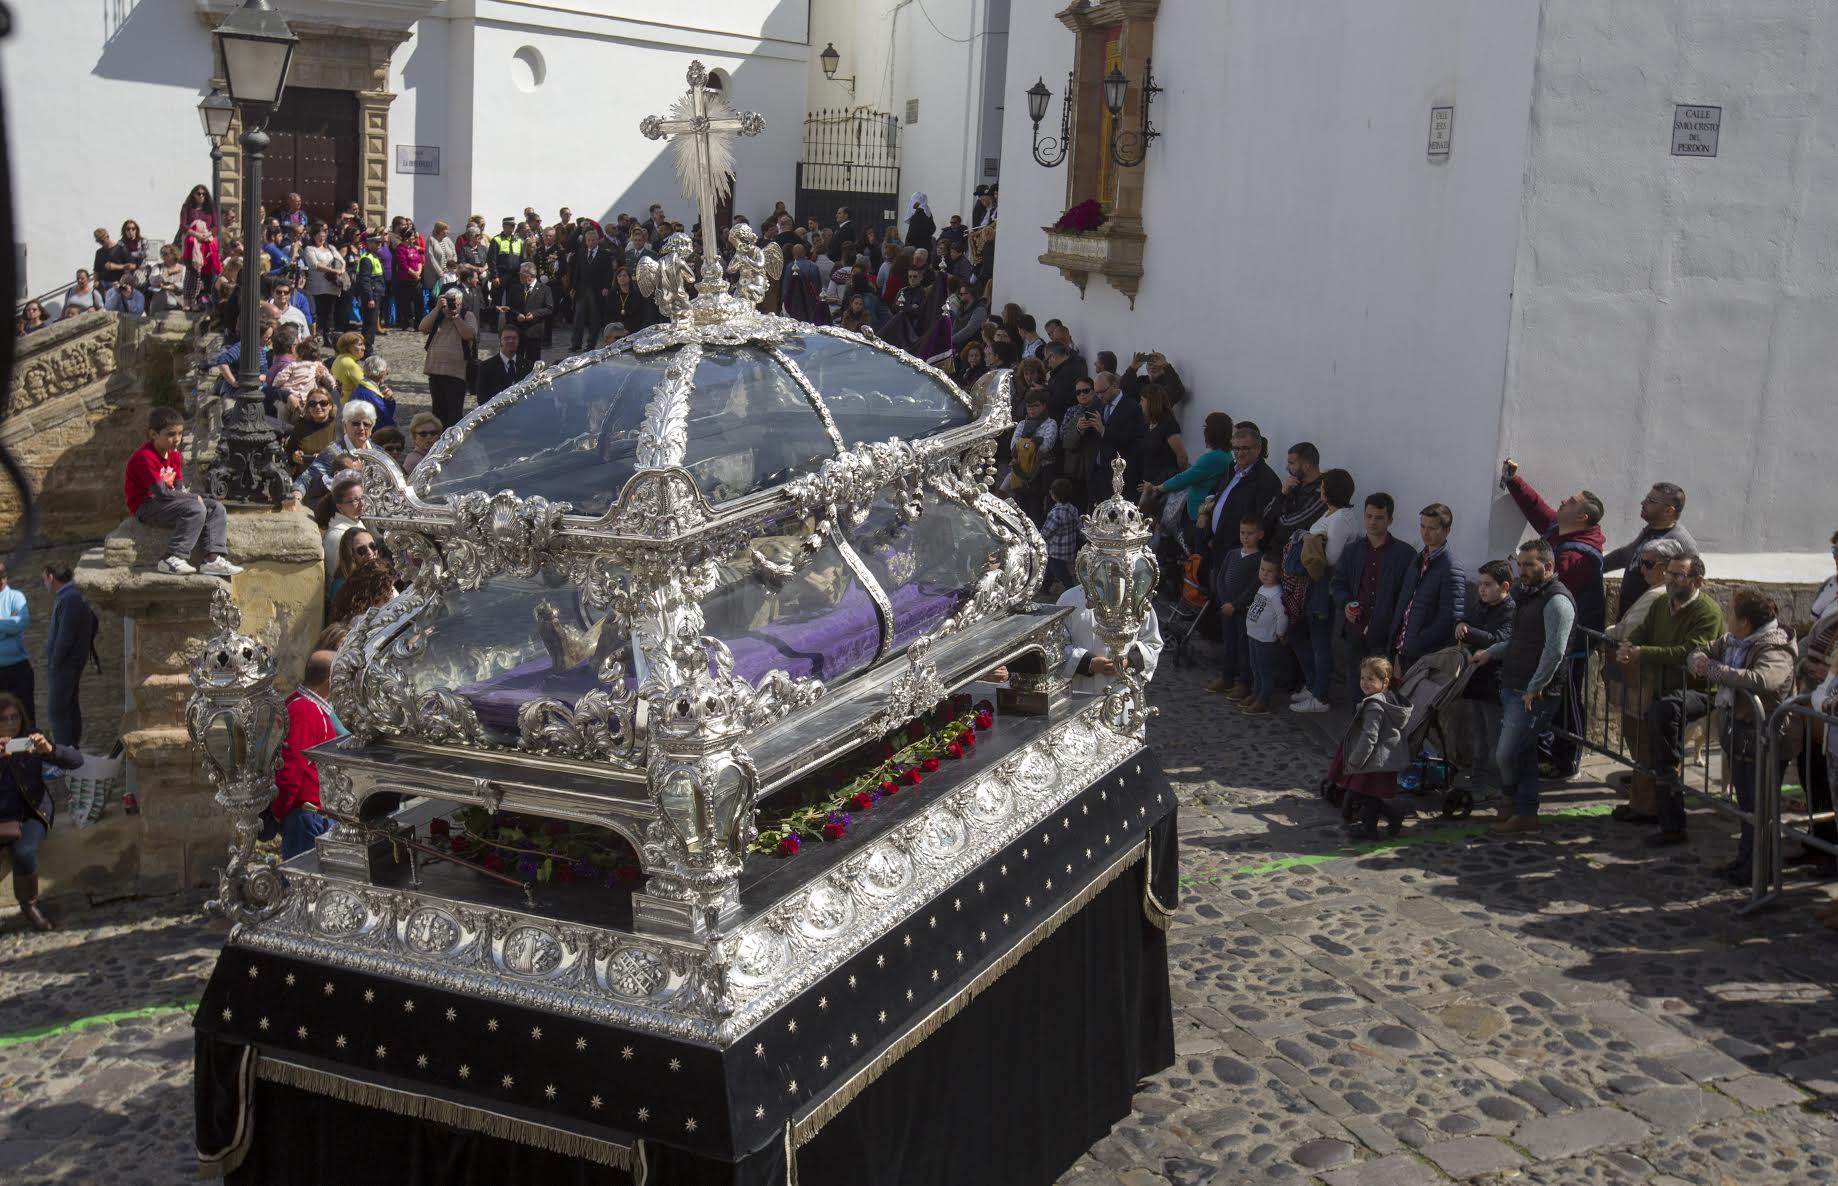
{"x": 334, "y": 58}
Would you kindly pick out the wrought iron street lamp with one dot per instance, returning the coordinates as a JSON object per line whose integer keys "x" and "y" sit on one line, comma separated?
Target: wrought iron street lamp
{"x": 830, "y": 59}
{"x": 1116, "y": 87}
{"x": 1050, "y": 152}
{"x": 214, "y": 112}
{"x": 257, "y": 48}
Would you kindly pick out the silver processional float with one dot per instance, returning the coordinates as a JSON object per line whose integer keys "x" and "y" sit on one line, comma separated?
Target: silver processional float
{"x": 678, "y": 736}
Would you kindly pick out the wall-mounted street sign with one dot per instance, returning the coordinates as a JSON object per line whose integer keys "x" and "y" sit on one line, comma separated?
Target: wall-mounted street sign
{"x": 1694, "y": 130}
{"x": 418, "y": 158}
{"x": 1442, "y": 131}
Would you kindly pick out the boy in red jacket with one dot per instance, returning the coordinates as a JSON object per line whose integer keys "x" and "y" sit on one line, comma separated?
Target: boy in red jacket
{"x": 296, "y": 777}
{"x": 153, "y": 488}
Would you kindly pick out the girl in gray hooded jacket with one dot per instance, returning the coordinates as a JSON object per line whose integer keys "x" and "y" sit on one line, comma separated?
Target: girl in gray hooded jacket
{"x": 1372, "y": 753}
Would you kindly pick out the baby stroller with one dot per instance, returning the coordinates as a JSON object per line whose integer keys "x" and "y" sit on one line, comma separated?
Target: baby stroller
{"x": 1180, "y": 617}
{"x": 1432, "y": 684}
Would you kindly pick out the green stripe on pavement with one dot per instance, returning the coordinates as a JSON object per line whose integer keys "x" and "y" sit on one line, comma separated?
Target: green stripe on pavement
{"x": 67, "y": 1027}
{"x": 1436, "y": 836}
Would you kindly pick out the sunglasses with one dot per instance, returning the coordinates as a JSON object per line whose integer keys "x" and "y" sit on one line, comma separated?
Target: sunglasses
{"x": 1652, "y": 564}
{"x": 318, "y": 403}
{"x": 426, "y": 432}
{"x": 364, "y": 550}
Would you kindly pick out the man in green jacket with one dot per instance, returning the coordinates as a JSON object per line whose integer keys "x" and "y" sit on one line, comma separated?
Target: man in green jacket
{"x": 1684, "y": 621}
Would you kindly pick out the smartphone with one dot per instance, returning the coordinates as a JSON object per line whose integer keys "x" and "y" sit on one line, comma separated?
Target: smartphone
{"x": 19, "y": 745}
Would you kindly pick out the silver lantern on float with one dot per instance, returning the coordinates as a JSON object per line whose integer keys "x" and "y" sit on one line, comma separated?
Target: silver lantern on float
{"x": 1118, "y": 572}
{"x": 703, "y": 784}
{"x": 237, "y": 722}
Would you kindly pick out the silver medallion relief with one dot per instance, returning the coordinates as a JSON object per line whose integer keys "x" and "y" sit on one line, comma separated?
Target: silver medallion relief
{"x": 340, "y": 912}
{"x": 828, "y": 911}
{"x": 431, "y": 932}
{"x": 634, "y": 972}
{"x": 531, "y": 951}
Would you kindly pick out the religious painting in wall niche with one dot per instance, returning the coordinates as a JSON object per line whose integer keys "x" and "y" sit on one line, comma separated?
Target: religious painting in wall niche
{"x": 1107, "y": 181}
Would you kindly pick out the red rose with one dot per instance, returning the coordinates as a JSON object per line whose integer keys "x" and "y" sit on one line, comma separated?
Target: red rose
{"x": 494, "y": 862}
{"x": 911, "y": 776}
{"x": 832, "y": 831}
{"x": 457, "y": 844}
{"x": 929, "y": 765}
{"x": 967, "y": 738}
{"x": 861, "y": 800}
{"x": 790, "y": 845}
{"x": 890, "y": 788}
{"x": 564, "y": 873}
{"x": 954, "y": 750}
{"x": 984, "y": 718}
{"x": 439, "y": 826}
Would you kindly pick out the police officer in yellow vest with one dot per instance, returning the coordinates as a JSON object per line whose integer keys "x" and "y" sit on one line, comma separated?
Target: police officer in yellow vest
{"x": 503, "y": 256}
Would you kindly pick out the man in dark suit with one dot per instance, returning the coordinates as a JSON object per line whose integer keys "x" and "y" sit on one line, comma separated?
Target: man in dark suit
{"x": 845, "y": 229}
{"x": 591, "y": 277}
{"x": 1246, "y": 488}
{"x": 502, "y": 369}
{"x": 527, "y": 309}
{"x": 1120, "y": 427}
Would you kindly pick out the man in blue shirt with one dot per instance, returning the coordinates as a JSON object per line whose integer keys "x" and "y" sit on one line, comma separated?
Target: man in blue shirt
{"x": 125, "y": 298}
{"x": 70, "y": 642}
{"x": 15, "y": 668}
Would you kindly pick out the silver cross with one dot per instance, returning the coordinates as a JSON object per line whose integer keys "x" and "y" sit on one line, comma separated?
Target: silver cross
{"x": 710, "y": 135}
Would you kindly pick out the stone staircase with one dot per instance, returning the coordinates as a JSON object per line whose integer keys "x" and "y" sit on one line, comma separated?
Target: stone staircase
{"x": 78, "y": 406}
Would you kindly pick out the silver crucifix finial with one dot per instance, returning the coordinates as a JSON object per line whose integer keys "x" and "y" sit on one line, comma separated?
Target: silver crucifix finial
{"x": 704, "y": 124}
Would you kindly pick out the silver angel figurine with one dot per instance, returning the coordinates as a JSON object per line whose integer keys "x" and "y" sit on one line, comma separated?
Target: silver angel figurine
{"x": 756, "y": 268}
{"x": 666, "y": 280}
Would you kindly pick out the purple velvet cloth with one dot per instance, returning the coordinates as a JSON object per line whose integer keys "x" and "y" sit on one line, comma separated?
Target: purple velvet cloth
{"x": 829, "y": 646}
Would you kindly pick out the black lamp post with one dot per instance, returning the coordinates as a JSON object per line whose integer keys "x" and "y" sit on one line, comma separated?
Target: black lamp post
{"x": 257, "y": 48}
{"x": 1050, "y": 152}
{"x": 214, "y": 112}
{"x": 830, "y": 60}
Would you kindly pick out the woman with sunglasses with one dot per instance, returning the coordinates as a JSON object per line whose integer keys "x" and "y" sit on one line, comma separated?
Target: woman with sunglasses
{"x": 25, "y": 804}
{"x": 357, "y": 547}
{"x": 423, "y": 431}
{"x": 312, "y": 434}
{"x": 127, "y": 260}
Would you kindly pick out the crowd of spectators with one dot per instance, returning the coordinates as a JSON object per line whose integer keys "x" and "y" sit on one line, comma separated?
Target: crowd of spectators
{"x": 1312, "y": 597}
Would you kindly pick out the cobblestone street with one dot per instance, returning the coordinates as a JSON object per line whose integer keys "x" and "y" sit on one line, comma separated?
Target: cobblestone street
{"x": 1447, "y": 1007}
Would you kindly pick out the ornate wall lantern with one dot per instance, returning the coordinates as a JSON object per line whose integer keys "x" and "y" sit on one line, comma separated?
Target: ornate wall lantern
{"x": 238, "y": 721}
{"x": 1118, "y": 572}
{"x": 830, "y": 59}
{"x": 1050, "y": 152}
{"x": 1116, "y": 89}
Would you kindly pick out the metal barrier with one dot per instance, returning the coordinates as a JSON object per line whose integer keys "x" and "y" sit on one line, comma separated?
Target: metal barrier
{"x": 1770, "y": 882}
{"x": 1627, "y": 695}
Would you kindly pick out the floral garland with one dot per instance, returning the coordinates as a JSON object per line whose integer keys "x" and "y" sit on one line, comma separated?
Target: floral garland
{"x": 537, "y": 849}
{"x": 824, "y": 807}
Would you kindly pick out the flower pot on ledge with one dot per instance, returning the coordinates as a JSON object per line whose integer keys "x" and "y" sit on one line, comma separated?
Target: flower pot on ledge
{"x": 1112, "y": 251}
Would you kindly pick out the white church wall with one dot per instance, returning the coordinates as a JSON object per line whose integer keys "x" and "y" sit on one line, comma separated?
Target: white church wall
{"x": 102, "y": 125}
{"x": 1307, "y": 267}
{"x": 582, "y": 114}
{"x": 1675, "y": 314}
{"x": 942, "y": 57}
